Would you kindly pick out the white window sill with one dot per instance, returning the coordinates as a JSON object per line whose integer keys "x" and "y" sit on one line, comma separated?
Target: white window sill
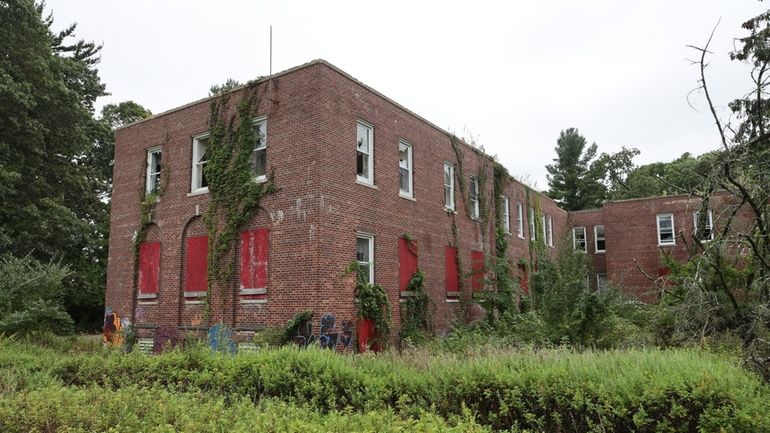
{"x": 520, "y": 237}
{"x": 260, "y": 179}
{"x": 600, "y": 252}
{"x": 452, "y": 301}
{"x": 144, "y": 296}
{"x": 670, "y": 244}
{"x": 450, "y": 210}
{"x": 366, "y": 184}
{"x": 193, "y": 301}
{"x": 253, "y": 301}
{"x": 407, "y": 197}
{"x": 148, "y": 302}
{"x": 261, "y": 291}
{"x": 198, "y": 192}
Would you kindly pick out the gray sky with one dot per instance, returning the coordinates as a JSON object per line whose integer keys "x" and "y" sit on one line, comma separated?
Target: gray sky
{"x": 513, "y": 74}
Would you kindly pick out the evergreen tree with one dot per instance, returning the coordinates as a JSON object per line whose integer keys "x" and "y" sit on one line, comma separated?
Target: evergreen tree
{"x": 575, "y": 177}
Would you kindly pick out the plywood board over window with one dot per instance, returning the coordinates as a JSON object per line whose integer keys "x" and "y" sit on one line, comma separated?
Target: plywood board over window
{"x": 149, "y": 270}
{"x": 407, "y": 266}
{"x": 254, "y": 264}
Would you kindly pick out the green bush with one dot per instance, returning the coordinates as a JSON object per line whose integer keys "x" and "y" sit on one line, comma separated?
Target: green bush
{"x": 546, "y": 390}
{"x": 133, "y": 409}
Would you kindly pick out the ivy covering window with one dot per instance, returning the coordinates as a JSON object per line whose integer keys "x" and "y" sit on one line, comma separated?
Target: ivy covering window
{"x": 199, "y": 182}
{"x": 532, "y": 234}
{"x": 259, "y": 156}
{"x": 153, "y": 170}
{"x": 365, "y": 153}
{"x": 473, "y": 196}
{"x": 506, "y": 213}
{"x": 549, "y": 231}
{"x": 405, "y": 169}
{"x": 520, "y": 220}
{"x": 365, "y": 255}
{"x": 449, "y": 186}
{"x": 579, "y": 238}
{"x": 666, "y": 229}
{"x": 707, "y": 232}
{"x": 599, "y": 239}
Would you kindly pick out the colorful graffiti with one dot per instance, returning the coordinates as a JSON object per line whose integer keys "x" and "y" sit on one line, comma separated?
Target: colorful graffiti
{"x": 329, "y": 336}
{"x": 111, "y": 332}
{"x": 220, "y": 339}
{"x": 166, "y": 337}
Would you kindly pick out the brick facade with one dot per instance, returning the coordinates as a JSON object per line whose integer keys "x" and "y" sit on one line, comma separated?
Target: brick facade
{"x": 312, "y": 222}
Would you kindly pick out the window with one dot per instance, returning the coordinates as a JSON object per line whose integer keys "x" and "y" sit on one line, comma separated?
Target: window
{"x": 365, "y": 256}
{"x": 666, "y": 229}
{"x": 601, "y": 282}
{"x": 545, "y": 234}
{"x": 579, "y": 238}
{"x": 153, "y": 170}
{"x": 549, "y": 231}
{"x": 599, "y": 239}
{"x": 708, "y": 226}
{"x": 520, "y": 219}
{"x": 407, "y": 262}
{"x": 149, "y": 269}
{"x": 405, "y": 169}
{"x": 451, "y": 280}
{"x": 477, "y": 270}
{"x": 532, "y": 234}
{"x": 473, "y": 194}
{"x": 365, "y": 154}
{"x": 254, "y": 260}
{"x": 449, "y": 186}
{"x": 259, "y": 156}
{"x": 199, "y": 160}
{"x": 506, "y": 214}
{"x": 196, "y": 267}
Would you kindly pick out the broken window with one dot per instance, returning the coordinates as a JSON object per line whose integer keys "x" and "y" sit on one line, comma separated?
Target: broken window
{"x": 405, "y": 169}
{"x": 365, "y": 148}
{"x": 666, "y": 229}
{"x": 599, "y": 239}
{"x": 579, "y": 238}
{"x": 259, "y": 155}
{"x": 199, "y": 182}
{"x": 153, "y": 170}
{"x": 706, "y": 233}
{"x": 365, "y": 256}
{"x": 449, "y": 186}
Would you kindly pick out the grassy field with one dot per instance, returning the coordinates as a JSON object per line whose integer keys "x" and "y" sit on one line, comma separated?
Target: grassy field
{"x": 81, "y": 387}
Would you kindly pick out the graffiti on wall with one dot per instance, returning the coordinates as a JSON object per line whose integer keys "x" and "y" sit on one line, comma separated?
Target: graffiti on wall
{"x": 329, "y": 336}
{"x": 111, "y": 332}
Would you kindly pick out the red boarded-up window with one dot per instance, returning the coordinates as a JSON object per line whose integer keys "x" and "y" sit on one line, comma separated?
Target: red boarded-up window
{"x": 196, "y": 266}
{"x": 477, "y": 266}
{"x": 407, "y": 261}
{"x": 450, "y": 270}
{"x": 523, "y": 278}
{"x": 254, "y": 254}
{"x": 149, "y": 269}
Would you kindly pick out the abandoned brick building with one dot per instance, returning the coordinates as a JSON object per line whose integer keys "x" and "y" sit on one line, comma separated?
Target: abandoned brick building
{"x": 359, "y": 178}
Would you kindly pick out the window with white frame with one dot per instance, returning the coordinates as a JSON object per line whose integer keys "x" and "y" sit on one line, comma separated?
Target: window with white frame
{"x": 199, "y": 160}
{"x": 365, "y": 152}
{"x": 666, "y": 229}
{"x": 405, "y": 169}
{"x": 545, "y": 233}
{"x": 599, "y": 246}
{"x": 259, "y": 155}
{"x": 153, "y": 170}
{"x": 707, "y": 233}
{"x": 579, "y": 238}
{"x": 532, "y": 234}
{"x": 449, "y": 186}
{"x": 550, "y": 231}
{"x": 365, "y": 255}
{"x": 504, "y": 202}
{"x": 473, "y": 194}
{"x": 601, "y": 282}
{"x": 520, "y": 220}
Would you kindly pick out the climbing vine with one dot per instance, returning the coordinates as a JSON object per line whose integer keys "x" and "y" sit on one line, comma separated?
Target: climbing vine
{"x": 416, "y": 317}
{"x": 373, "y": 304}
{"x": 234, "y": 192}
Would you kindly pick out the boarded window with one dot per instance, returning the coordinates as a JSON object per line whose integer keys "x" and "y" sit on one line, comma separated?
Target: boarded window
{"x": 450, "y": 271}
{"x": 196, "y": 266}
{"x": 254, "y": 257}
{"x": 149, "y": 269}
{"x": 477, "y": 267}
{"x": 407, "y": 258}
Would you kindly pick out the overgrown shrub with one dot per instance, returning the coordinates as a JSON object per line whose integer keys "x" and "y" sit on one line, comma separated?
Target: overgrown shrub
{"x": 31, "y": 297}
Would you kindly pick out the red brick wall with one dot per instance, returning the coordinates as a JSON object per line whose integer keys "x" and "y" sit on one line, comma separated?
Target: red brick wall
{"x": 313, "y": 219}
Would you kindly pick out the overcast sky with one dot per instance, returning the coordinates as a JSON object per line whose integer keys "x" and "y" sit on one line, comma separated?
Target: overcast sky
{"x": 511, "y": 73}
